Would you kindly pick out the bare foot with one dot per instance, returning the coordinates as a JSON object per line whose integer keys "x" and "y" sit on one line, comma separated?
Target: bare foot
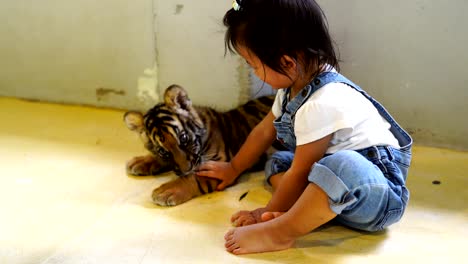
{"x": 280, "y": 230}
{"x": 267, "y": 216}
{"x": 244, "y": 218}
{"x": 261, "y": 237}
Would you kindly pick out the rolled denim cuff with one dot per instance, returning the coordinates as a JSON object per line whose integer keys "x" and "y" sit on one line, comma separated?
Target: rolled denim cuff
{"x": 338, "y": 193}
{"x": 279, "y": 162}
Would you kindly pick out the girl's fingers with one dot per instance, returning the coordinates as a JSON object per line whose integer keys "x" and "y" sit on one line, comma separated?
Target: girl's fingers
{"x": 205, "y": 173}
{"x": 209, "y": 174}
{"x": 206, "y": 166}
{"x": 222, "y": 186}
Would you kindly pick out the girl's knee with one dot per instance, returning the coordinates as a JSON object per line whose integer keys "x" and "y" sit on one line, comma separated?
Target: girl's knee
{"x": 349, "y": 166}
{"x": 341, "y": 173}
{"x": 342, "y": 159}
{"x": 358, "y": 190}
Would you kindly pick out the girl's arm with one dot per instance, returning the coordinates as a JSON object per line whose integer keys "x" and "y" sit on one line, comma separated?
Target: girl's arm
{"x": 258, "y": 141}
{"x": 294, "y": 181}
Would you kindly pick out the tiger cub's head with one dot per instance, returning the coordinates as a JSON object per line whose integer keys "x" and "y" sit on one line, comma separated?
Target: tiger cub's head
{"x": 171, "y": 130}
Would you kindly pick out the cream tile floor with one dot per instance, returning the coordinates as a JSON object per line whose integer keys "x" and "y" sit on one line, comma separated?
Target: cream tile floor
{"x": 65, "y": 198}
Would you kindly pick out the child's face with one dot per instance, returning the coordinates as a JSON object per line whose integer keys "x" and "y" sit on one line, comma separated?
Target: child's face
{"x": 275, "y": 79}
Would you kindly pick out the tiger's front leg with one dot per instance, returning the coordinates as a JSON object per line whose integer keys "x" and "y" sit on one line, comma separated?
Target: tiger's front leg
{"x": 147, "y": 165}
{"x": 183, "y": 189}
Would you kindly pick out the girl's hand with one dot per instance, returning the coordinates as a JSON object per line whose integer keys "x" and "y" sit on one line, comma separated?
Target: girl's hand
{"x": 243, "y": 218}
{"x": 219, "y": 170}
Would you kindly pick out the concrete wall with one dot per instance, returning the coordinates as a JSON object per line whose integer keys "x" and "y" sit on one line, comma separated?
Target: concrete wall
{"x": 410, "y": 55}
{"x": 103, "y": 52}
{"x": 190, "y": 52}
{"x": 80, "y": 52}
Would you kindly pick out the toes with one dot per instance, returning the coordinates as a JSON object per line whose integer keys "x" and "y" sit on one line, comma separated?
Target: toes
{"x": 241, "y": 219}
{"x": 230, "y": 243}
{"x": 267, "y": 216}
{"x": 248, "y": 222}
{"x": 238, "y": 251}
{"x": 235, "y": 216}
{"x": 232, "y": 248}
{"x": 229, "y": 235}
{"x": 245, "y": 220}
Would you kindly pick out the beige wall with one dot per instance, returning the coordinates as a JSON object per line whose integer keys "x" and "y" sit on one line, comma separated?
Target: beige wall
{"x": 410, "y": 55}
{"x": 103, "y": 52}
{"x": 83, "y": 52}
{"x": 190, "y": 52}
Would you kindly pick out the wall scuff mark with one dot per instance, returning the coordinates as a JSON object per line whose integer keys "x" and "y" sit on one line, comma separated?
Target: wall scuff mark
{"x": 148, "y": 87}
{"x": 102, "y": 93}
{"x": 178, "y": 9}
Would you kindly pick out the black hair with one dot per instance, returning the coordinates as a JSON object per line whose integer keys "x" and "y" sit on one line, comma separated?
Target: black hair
{"x": 274, "y": 28}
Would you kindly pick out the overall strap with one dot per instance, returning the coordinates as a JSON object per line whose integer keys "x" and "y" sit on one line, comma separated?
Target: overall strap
{"x": 290, "y": 107}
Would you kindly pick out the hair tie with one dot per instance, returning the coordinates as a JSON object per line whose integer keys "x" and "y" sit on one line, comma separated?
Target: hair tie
{"x": 235, "y": 5}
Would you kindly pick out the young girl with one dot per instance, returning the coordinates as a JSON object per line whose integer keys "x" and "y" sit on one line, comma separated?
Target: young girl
{"x": 347, "y": 158}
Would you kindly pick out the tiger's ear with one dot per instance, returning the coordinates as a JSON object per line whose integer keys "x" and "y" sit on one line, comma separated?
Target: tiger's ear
{"x": 177, "y": 98}
{"x": 134, "y": 121}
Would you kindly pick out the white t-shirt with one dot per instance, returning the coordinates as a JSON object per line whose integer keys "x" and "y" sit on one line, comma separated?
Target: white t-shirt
{"x": 339, "y": 109}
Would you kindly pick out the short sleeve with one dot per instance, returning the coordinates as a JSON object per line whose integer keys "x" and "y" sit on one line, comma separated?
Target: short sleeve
{"x": 315, "y": 120}
{"x": 277, "y": 104}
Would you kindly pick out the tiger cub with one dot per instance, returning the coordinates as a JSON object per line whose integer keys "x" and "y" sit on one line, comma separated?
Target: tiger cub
{"x": 180, "y": 136}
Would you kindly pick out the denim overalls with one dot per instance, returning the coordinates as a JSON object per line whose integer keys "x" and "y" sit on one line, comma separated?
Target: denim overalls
{"x": 366, "y": 188}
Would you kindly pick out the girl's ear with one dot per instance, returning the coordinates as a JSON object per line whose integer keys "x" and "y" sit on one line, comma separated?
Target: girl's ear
{"x": 289, "y": 64}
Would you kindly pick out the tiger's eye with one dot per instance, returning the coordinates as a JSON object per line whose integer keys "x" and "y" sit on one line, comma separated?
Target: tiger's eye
{"x": 163, "y": 153}
{"x": 183, "y": 138}
{"x": 149, "y": 145}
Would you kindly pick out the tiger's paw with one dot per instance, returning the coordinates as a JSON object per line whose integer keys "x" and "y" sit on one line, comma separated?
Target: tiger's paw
{"x": 169, "y": 196}
{"x": 175, "y": 192}
{"x": 143, "y": 166}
